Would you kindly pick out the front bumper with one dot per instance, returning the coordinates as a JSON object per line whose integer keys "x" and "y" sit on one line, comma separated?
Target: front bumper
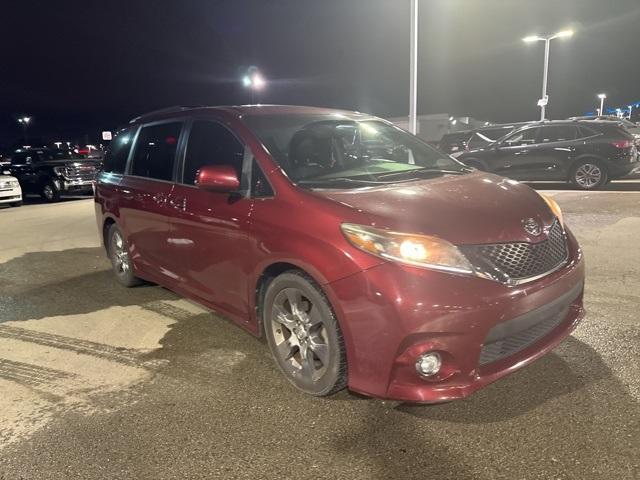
{"x": 69, "y": 185}
{"x": 391, "y": 314}
{"x": 12, "y": 195}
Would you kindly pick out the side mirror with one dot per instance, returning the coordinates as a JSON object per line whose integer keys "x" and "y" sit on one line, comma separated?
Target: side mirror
{"x": 218, "y": 178}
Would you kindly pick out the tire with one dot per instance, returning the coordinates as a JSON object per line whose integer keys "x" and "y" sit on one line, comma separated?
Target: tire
{"x": 17, "y": 204}
{"x": 305, "y": 340}
{"x": 588, "y": 174}
{"x": 118, "y": 251}
{"x": 50, "y": 192}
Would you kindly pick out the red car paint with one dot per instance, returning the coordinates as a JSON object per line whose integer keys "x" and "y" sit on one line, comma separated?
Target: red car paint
{"x": 206, "y": 246}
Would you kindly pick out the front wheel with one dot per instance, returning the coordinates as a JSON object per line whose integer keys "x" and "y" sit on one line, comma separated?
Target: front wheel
{"x": 588, "y": 175}
{"x": 304, "y": 335}
{"x": 50, "y": 191}
{"x": 119, "y": 256}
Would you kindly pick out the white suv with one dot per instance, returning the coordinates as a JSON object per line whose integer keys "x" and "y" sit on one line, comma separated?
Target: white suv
{"x": 10, "y": 191}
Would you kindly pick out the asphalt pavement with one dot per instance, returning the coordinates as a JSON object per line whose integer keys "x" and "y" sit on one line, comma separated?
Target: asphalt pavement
{"x": 98, "y": 381}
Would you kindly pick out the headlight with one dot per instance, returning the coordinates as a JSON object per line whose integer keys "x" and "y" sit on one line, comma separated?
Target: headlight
{"x": 417, "y": 250}
{"x": 554, "y": 207}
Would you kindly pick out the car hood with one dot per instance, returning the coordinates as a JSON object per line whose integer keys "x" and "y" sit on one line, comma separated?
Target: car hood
{"x": 466, "y": 209}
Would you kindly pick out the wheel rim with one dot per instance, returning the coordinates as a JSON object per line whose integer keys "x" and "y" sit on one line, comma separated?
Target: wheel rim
{"x": 300, "y": 335}
{"x": 120, "y": 255}
{"x": 48, "y": 192}
{"x": 588, "y": 175}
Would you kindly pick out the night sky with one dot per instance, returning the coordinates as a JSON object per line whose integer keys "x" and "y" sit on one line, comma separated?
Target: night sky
{"x": 81, "y": 66}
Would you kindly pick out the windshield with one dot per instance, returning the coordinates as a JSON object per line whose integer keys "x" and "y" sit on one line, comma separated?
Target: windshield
{"x": 329, "y": 151}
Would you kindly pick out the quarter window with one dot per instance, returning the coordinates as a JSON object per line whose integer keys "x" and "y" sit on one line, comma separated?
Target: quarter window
{"x": 155, "y": 151}
{"x": 116, "y": 158}
{"x": 210, "y": 143}
{"x": 260, "y": 186}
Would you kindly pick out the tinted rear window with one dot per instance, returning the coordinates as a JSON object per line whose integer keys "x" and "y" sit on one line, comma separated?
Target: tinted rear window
{"x": 155, "y": 151}
{"x": 116, "y": 158}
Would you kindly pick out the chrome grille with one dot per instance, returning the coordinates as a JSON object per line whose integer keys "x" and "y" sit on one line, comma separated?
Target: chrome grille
{"x": 513, "y": 344}
{"x": 521, "y": 260}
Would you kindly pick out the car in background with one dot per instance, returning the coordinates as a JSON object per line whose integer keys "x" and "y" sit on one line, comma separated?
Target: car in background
{"x": 10, "y": 191}
{"x": 366, "y": 258}
{"x": 457, "y": 142}
{"x": 53, "y": 172}
{"x": 585, "y": 153}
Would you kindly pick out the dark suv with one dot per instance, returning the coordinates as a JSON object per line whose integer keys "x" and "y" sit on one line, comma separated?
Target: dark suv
{"x": 586, "y": 153}
{"x": 51, "y": 172}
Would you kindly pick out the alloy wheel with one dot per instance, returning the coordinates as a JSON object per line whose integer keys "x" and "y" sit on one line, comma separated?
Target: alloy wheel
{"x": 588, "y": 175}
{"x": 48, "y": 192}
{"x": 120, "y": 254}
{"x": 300, "y": 335}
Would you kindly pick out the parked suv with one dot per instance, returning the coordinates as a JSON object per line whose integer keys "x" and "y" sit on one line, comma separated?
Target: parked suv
{"x": 366, "y": 258}
{"x": 585, "y": 153}
{"x": 52, "y": 173}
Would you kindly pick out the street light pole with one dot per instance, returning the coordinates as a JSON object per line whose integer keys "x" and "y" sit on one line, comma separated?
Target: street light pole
{"x": 547, "y": 45}
{"x": 545, "y": 76}
{"x": 413, "y": 69}
{"x": 602, "y": 96}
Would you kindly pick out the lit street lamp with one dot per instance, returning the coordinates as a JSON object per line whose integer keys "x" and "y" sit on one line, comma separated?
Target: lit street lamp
{"x": 542, "y": 103}
{"x": 24, "y": 121}
{"x": 602, "y": 96}
{"x": 254, "y": 81}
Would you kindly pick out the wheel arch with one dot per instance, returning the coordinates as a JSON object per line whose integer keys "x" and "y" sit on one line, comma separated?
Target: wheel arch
{"x": 269, "y": 271}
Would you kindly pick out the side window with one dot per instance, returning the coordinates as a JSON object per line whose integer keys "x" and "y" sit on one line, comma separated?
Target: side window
{"x": 115, "y": 160}
{"x": 560, "y": 133}
{"x": 210, "y": 143}
{"x": 260, "y": 186}
{"x": 586, "y": 132}
{"x": 155, "y": 151}
{"x": 523, "y": 137}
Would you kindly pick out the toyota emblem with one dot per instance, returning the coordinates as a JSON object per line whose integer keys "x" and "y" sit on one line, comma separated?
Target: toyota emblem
{"x": 532, "y": 227}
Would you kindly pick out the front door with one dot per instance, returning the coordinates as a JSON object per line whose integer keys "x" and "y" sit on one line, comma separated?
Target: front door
{"x": 208, "y": 229}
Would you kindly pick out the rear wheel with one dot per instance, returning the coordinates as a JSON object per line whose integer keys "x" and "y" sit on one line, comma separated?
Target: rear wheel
{"x": 304, "y": 335}
{"x": 119, "y": 256}
{"x": 588, "y": 174}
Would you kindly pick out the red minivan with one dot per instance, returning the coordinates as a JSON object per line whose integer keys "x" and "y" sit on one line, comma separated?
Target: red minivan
{"x": 367, "y": 258}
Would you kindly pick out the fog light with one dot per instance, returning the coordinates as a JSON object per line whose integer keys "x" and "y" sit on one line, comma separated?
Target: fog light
{"x": 428, "y": 364}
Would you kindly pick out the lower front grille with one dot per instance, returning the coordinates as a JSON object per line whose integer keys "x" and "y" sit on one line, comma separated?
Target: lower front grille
{"x": 510, "y": 337}
{"x": 513, "y": 344}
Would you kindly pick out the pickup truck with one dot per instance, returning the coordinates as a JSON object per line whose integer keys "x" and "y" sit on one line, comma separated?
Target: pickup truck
{"x": 52, "y": 173}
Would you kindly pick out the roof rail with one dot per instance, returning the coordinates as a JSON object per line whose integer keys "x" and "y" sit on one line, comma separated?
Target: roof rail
{"x": 176, "y": 108}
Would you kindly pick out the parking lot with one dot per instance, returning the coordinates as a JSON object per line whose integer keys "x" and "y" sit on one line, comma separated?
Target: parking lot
{"x": 99, "y": 381}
